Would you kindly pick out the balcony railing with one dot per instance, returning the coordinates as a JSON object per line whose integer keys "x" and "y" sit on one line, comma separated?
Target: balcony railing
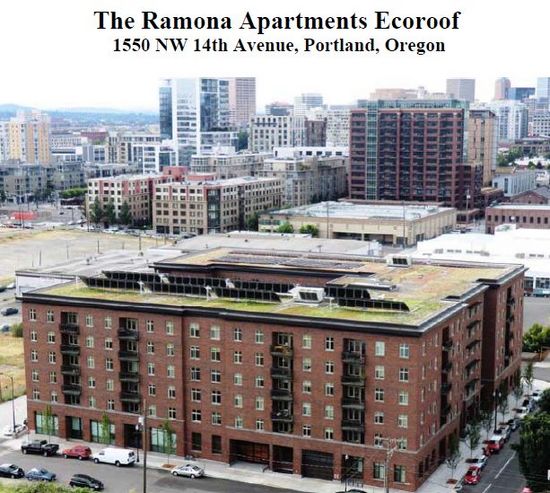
{"x": 69, "y": 328}
{"x": 281, "y": 394}
{"x": 278, "y": 372}
{"x": 447, "y": 345}
{"x": 282, "y": 417}
{"x": 446, "y": 388}
{"x": 70, "y": 349}
{"x": 281, "y": 350}
{"x": 72, "y": 370}
{"x": 447, "y": 367}
{"x": 128, "y": 376}
{"x": 353, "y": 403}
{"x": 71, "y": 389}
{"x": 352, "y": 357}
{"x": 128, "y": 335}
{"x": 134, "y": 397}
{"x": 353, "y": 379}
{"x": 128, "y": 355}
{"x": 352, "y": 425}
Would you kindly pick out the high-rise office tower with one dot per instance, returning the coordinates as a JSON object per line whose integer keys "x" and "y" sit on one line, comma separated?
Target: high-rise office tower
{"x": 543, "y": 87}
{"x": 502, "y": 86}
{"x": 512, "y": 117}
{"x": 195, "y": 114}
{"x": 520, "y": 93}
{"x": 462, "y": 89}
{"x": 242, "y": 100}
{"x": 306, "y": 101}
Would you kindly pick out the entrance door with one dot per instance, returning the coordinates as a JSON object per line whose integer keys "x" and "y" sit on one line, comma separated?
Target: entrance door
{"x": 74, "y": 427}
{"x": 318, "y": 465}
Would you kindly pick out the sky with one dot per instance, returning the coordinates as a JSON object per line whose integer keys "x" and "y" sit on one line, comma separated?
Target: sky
{"x": 53, "y": 55}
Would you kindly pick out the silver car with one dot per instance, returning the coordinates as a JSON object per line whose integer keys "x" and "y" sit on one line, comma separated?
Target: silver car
{"x": 188, "y": 470}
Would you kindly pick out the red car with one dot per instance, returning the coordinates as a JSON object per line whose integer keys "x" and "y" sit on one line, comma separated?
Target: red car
{"x": 473, "y": 475}
{"x": 79, "y": 451}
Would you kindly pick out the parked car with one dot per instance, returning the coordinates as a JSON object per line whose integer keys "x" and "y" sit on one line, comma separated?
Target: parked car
{"x": 473, "y": 475}
{"x": 479, "y": 461}
{"x": 40, "y": 474}
{"x": 5, "y": 328}
{"x": 41, "y": 447}
{"x": 504, "y": 431}
{"x": 521, "y": 412}
{"x": 10, "y": 310}
{"x": 11, "y": 285}
{"x": 85, "y": 481}
{"x": 19, "y": 430}
{"x": 117, "y": 456}
{"x": 189, "y": 470}
{"x": 11, "y": 471}
{"x": 79, "y": 452}
{"x": 494, "y": 444}
{"x": 529, "y": 404}
{"x": 514, "y": 423}
{"x": 536, "y": 395}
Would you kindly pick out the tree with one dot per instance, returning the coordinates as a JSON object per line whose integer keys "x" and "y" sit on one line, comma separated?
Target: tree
{"x": 310, "y": 229}
{"x": 125, "y": 217}
{"x": 71, "y": 193}
{"x": 518, "y": 392}
{"x": 486, "y": 421}
{"x": 110, "y": 213}
{"x": 17, "y": 330}
{"x": 473, "y": 436}
{"x": 534, "y": 450}
{"x": 2, "y": 196}
{"x": 285, "y": 227}
{"x": 528, "y": 376}
{"x": 252, "y": 222}
{"x": 242, "y": 140}
{"x": 96, "y": 212}
{"x": 453, "y": 454}
{"x": 503, "y": 404}
{"x": 536, "y": 338}
{"x": 544, "y": 402}
{"x": 168, "y": 439}
{"x": 49, "y": 423}
{"x": 105, "y": 430}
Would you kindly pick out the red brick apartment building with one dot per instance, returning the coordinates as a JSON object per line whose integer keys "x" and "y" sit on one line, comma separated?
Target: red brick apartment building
{"x": 532, "y": 216}
{"x": 310, "y": 364}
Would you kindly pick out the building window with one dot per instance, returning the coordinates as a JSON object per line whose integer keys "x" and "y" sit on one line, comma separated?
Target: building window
{"x": 196, "y": 395}
{"x": 403, "y": 398}
{"x": 215, "y": 376}
{"x": 404, "y": 351}
{"x": 306, "y": 364}
{"x": 306, "y": 430}
{"x": 150, "y": 326}
{"x": 238, "y": 422}
{"x": 32, "y": 315}
{"x": 91, "y": 382}
{"x": 259, "y": 382}
{"x": 170, "y": 350}
{"x": 216, "y": 397}
{"x": 306, "y": 387}
{"x": 152, "y": 390}
{"x": 306, "y": 341}
{"x": 150, "y": 347}
{"x": 89, "y": 320}
{"x": 329, "y": 343}
{"x": 403, "y": 421}
{"x": 51, "y": 337}
{"x": 169, "y": 328}
{"x": 216, "y": 444}
{"x": 259, "y": 425}
{"x": 110, "y": 385}
{"x": 237, "y": 335}
{"x": 194, "y": 331}
{"x": 108, "y": 344}
{"x": 329, "y": 412}
{"x": 306, "y": 409}
{"x": 34, "y": 355}
{"x": 109, "y": 365}
{"x": 403, "y": 374}
{"x": 171, "y": 392}
{"x": 52, "y": 357}
{"x": 259, "y": 359}
{"x": 171, "y": 371}
{"x": 378, "y": 440}
{"x": 91, "y": 401}
{"x": 34, "y": 336}
{"x": 238, "y": 400}
{"x": 50, "y": 316}
{"x": 196, "y": 416}
{"x": 329, "y": 367}
{"x": 259, "y": 337}
{"x": 329, "y": 389}
{"x": 379, "y": 470}
{"x": 195, "y": 352}
{"x": 195, "y": 374}
{"x": 399, "y": 474}
{"x": 34, "y": 376}
{"x": 237, "y": 357}
{"x": 379, "y": 418}
{"x": 108, "y": 323}
{"x": 152, "y": 410}
{"x": 215, "y": 333}
{"x": 89, "y": 341}
{"x": 379, "y": 372}
{"x": 151, "y": 369}
{"x": 53, "y": 396}
{"x": 172, "y": 413}
{"x": 379, "y": 348}
{"x": 259, "y": 403}
{"x": 379, "y": 395}
{"x": 196, "y": 441}
{"x": 329, "y": 433}
{"x": 53, "y": 377}
{"x": 216, "y": 419}
{"x": 36, "y": 394}
{"x": 402, "y": 444}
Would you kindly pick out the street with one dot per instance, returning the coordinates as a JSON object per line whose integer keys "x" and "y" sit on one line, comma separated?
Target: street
{"x": 536, "y": 310}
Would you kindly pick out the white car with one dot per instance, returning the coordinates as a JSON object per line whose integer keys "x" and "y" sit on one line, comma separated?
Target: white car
{"x": 536, "y": 395}
{"x": 19, "y": 429}
{"x": 189, "y": 470}
{"x": 521, "y": 412}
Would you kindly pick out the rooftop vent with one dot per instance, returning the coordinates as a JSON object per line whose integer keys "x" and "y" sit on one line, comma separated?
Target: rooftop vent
{"x": 399, "y": 260}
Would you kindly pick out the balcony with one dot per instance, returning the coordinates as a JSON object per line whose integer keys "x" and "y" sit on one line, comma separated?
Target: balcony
{"x": 281, "y": 394}
{"x": 352, "y": 357}
{"x": 352, "y": 425}
{"x": 472, "y": 344}
{"x": 71, "y": 389}
{"x": 283, "y": 416}
{"x": 353, "y": 380}
{"x": 447, "y": 367}
{"x": 353, "y": 403}
{"x": 128, "y": 335}
{"x": 446, "y": 388}
{"x": 69, "y": 328}
{"x": 128, "y": 356}
{"x": 128, "y": 376}
{"x": 71, "y": 370}
{"x": 133, "y": 397}
{"x": 70, "y": 349}
{"x": 281, "y": 350}
{"x": 447, "y": 345}
{"x": 278, "y": 372}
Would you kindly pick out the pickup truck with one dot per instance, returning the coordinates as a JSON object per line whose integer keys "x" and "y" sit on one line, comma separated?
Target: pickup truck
{"x": 41, "y": 447}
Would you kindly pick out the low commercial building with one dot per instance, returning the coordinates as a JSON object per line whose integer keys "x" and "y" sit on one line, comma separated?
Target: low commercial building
{"x": 513, "y": 181}
{"x": 386, "y": 223}
{"x": 207, "y": 205}
{"x": 519, "y": 215}
{"x": 539, "y": 195}
{"x": 305, "y": 363}
{"x": 229, "y": 165}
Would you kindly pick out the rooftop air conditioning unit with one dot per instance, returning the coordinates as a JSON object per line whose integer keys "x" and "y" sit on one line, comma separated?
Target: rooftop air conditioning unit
{"x": 303, "y": 294}
{"x": 399, "y": 260}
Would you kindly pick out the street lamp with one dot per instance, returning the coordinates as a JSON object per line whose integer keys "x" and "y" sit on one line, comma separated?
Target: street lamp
{"x": 12, "y": 400}
{"x": 139, "y": 427}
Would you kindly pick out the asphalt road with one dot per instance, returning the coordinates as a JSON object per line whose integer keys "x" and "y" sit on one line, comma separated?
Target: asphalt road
{"x": 536, "y": 309}
{"x": 7, "y": 298}
{"x": 126, "y": 479}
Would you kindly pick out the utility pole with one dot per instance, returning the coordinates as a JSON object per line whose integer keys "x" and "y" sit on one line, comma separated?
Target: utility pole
{"x": 145, "y": 446}
{"x": 391, "y": 447}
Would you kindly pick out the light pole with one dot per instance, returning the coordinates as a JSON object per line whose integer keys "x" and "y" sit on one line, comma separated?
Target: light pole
{"x": 12, "y": 400}
{"x": 137, "y": 434}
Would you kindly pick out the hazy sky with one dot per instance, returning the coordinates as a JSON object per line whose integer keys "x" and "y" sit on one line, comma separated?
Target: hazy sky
{"x": 53, "y": 55}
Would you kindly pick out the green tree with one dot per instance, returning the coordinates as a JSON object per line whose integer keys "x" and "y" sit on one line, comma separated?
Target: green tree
{"x": 71, "y": 193}
{"x": 534, "y": 450}
{"x": 544, "y": 402}
{"x": 503, "y": 405}
{"x": 528, "y": 376}
{"x": 96, "y": 212}
{"x": 453, "y": 454}
{"x": 105, "y": 430}
{"x": 168, "y": 440}
{"x": 518, "y": 392}
{"x": 486, "y": 421}
{"x": 125, "y": 217}
{"x": 473, "y": 436}
{"x": 242, "y": 140}
{"x": 537, "y": 337}
{"x": 285, "y": 227}
{"x": 310, "y": 229}
{"x": 49, "y": 421}
{"x": 50, "y": 188}
{"x": 110, "y": 213}
{"x": 252, "y": 222}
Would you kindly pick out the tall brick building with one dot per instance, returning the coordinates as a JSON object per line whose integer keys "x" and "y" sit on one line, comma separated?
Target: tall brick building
{"x": 307, "y": 363}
